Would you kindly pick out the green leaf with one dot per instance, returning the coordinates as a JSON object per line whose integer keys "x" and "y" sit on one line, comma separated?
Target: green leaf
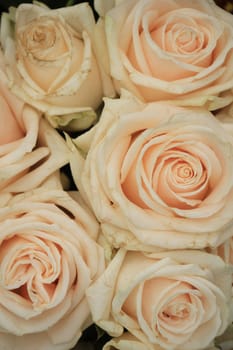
{"x": 70, "y": 3}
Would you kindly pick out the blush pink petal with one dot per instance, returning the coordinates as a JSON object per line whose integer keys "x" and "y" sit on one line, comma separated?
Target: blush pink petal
{"x": 39, "y": 147}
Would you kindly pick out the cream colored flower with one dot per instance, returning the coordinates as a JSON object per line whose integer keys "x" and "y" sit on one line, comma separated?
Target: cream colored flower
{"x": 170, "y": 50}
{"x": 157, "y": 175}
{"x": 48, "y": 257}
{"x": 174, "y": 299}
{"x": 52, "y": 63}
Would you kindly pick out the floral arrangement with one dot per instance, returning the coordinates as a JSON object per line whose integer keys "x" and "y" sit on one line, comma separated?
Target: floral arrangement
{"x": 116, "y": 186}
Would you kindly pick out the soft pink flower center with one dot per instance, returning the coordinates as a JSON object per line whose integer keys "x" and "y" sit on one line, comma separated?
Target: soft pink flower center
{"x": 30, "y": 268}
{"x": 171, "y": 299}
{"x": 171, "y": 47}
{"x": 49, "y": 49}
{"x": 177, "y": 175}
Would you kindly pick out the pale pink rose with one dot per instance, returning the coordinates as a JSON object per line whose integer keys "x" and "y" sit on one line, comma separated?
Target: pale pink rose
{"x": 30, "y": 149}
{"x": 157, "y": 175}
{"x": 52, "y": 63}
{"x": 48, "y": 257}
{"x": 174, "y": 299}
{"x": 178, "y": 50}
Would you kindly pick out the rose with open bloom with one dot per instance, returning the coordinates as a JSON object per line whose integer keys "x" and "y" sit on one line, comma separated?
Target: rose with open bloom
{"x": 48, "y": 257}
{"x": 179, "y": 50}
{"x": 157, "y": 175}
{"x": 30, "y": 149}
{"x": 176, "y": 299}
{"x": 52, "y": 63}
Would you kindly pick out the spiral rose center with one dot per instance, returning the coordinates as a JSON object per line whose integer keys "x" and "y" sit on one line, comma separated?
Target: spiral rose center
{"x": 175, "y": 311}
{"x": 176, "y": 173}
{"x": 42, "y": 35}
{"x": 183, "y": 172}
{"x": 30, "y": 268}
{"x": 187, "y": 40}
{"x": 39, "y": 38}
{"x": 185, "y": 37}
{"x": 39, "y": 35}
{"x": 180, "y": 179}
{"x": 171, "y": 46}
{"x": 50, "y": 53}
{"x": 43, "y": 39}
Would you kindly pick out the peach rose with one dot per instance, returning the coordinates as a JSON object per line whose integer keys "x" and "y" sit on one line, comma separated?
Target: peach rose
{"x": 52, "y": 63}
{"x": 174, "y": 50}
{"x": 48, "y": 257}
{"x": 173, "y": 299}
{"x": 157, "y": 175}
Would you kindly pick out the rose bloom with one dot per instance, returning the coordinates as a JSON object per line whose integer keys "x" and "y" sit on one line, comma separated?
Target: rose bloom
{"x": 48, "y": 257}
{"x": 177, "y": 299}
{"x": 157, "y": 175}
{"x": 30, "y": 149}
{"x": 178, "y": 50}
{"x": 52, "y": 63}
